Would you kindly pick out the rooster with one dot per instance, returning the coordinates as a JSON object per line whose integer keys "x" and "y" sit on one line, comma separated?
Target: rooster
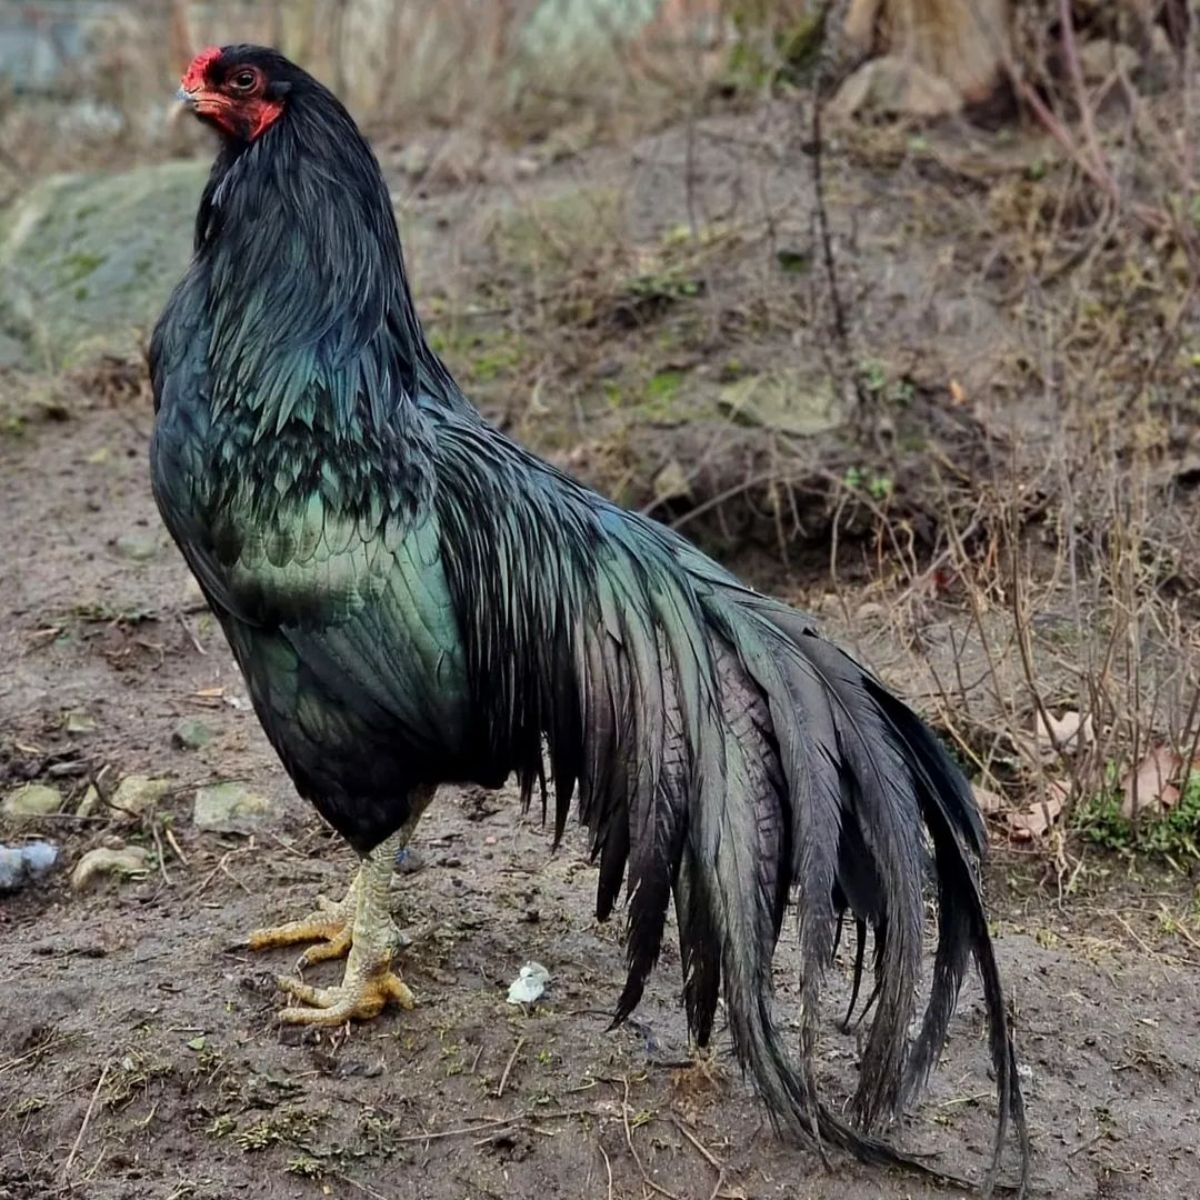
{"x": 415, "y": 600}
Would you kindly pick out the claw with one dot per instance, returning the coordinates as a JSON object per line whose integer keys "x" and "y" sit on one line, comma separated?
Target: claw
{"x": 337, "y": 946}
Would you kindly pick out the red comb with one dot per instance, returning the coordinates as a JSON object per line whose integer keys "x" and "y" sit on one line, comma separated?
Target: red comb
{"x": 194, "y": 76}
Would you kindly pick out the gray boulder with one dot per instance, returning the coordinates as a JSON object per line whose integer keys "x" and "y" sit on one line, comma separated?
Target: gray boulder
{"x": 87, "y": 261}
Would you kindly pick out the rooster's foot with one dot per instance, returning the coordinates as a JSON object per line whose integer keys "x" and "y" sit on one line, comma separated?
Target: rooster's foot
{"x": 361, "y": 996}
{"x": 360, "y": 925}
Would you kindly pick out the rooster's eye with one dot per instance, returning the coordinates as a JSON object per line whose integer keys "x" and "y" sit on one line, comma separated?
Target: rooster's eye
{"x": 243, "y": 81}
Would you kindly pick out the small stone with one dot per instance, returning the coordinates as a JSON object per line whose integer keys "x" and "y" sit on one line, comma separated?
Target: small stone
{"x": 137, "y": 793}
{"x": 79, "y": 722}
{"x": 136, "y": 547}
{"x": 130, "y": 862}
{"x": 191, "y": 734}
{"x": 787, "y": 401}
{"x": 414, "y": 159}
{"x": 671, "y": 482}
{"x": 231, "y": 808}
{"x": 88, "y": 804}
{"x": 868, "y": 610}
{"x": 21, "y": 865}
{"x": 1101, "y": 59}
{"x": 896, "y": 86}
{"x": 31, "y": 801}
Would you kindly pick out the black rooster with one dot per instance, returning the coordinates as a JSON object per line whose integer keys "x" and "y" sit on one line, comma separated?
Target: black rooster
{"x": 416, "y": 600}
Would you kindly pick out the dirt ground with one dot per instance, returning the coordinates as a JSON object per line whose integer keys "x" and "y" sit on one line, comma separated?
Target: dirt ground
{"x": 138, "y": 1056}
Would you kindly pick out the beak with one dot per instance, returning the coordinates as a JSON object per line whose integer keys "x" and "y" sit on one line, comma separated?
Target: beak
{"x": 185, "y": 102}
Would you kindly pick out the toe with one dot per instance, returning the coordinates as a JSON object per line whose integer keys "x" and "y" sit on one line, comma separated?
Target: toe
{"x": 314, "y": 928}
{"x": 397, "y": 991}
{"x": 360, "y": 1001}
{"x": 337, "y": 947}
{"x": 305, "y": 993}
{"x": 309, "y": 1016}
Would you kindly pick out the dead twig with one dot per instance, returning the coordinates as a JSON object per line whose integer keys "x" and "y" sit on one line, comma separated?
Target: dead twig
{"x": 607, "y": 1166}
{"x": 637, "y": 1158}
{"x": 188, "y": 630}
{"x": 179, "y": 854}
{"x": 162, "y": 854}
{"x": 706, "y": 1154}
{"x": 87, "y": 1117}
{"x": 508, "y": 1066}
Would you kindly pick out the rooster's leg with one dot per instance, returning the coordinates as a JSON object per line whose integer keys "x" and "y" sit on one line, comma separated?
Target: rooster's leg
{"x": 369, "y": 983}
{"x": 332, "y": 925}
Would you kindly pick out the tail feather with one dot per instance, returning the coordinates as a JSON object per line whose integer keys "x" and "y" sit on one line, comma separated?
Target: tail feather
{"x": 728, "y": 756}
{"x": 699, "y": 949}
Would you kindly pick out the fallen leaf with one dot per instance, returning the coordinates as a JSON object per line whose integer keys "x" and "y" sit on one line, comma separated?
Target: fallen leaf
{"x": 1068, "y": 733}
{"x": 1036, "y": 820}
{"x": 1149, "y": 789}
{"x": 989, "y": 802}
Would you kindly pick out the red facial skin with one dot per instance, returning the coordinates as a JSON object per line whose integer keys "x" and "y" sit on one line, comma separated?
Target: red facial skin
{"x": 243, "y": 112}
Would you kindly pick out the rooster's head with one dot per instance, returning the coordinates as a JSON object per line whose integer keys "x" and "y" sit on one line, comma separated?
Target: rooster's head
{"x": 242, "y": 90}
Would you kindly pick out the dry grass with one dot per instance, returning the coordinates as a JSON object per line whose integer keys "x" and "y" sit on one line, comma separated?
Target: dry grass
{"x": 1069, "y": 562}
{"x": 512, "y": 69}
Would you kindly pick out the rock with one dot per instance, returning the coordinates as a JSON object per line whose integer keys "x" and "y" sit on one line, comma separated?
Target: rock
{"x": 87, "y": 260}
{"x": 895, "y": 86}
{"x": 129, "y": 862}
{"x": 671, "y": 483}
{"x": 137, "y": 793}
{"x": 79, "y": 722}
{"x": 137, "y": 547}
{"x": 21, "y": 865}
{"x": 414, "y": 159}
{"x": 1100, "y": 58}
{"x": 786, "y": 401}
{"x": 231, "y": 808}
{"x": 191, "y": 734}
{"x": 29, "y": 802}
{"x": 88, "y": 804}
{"x": 193, "y": 596}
